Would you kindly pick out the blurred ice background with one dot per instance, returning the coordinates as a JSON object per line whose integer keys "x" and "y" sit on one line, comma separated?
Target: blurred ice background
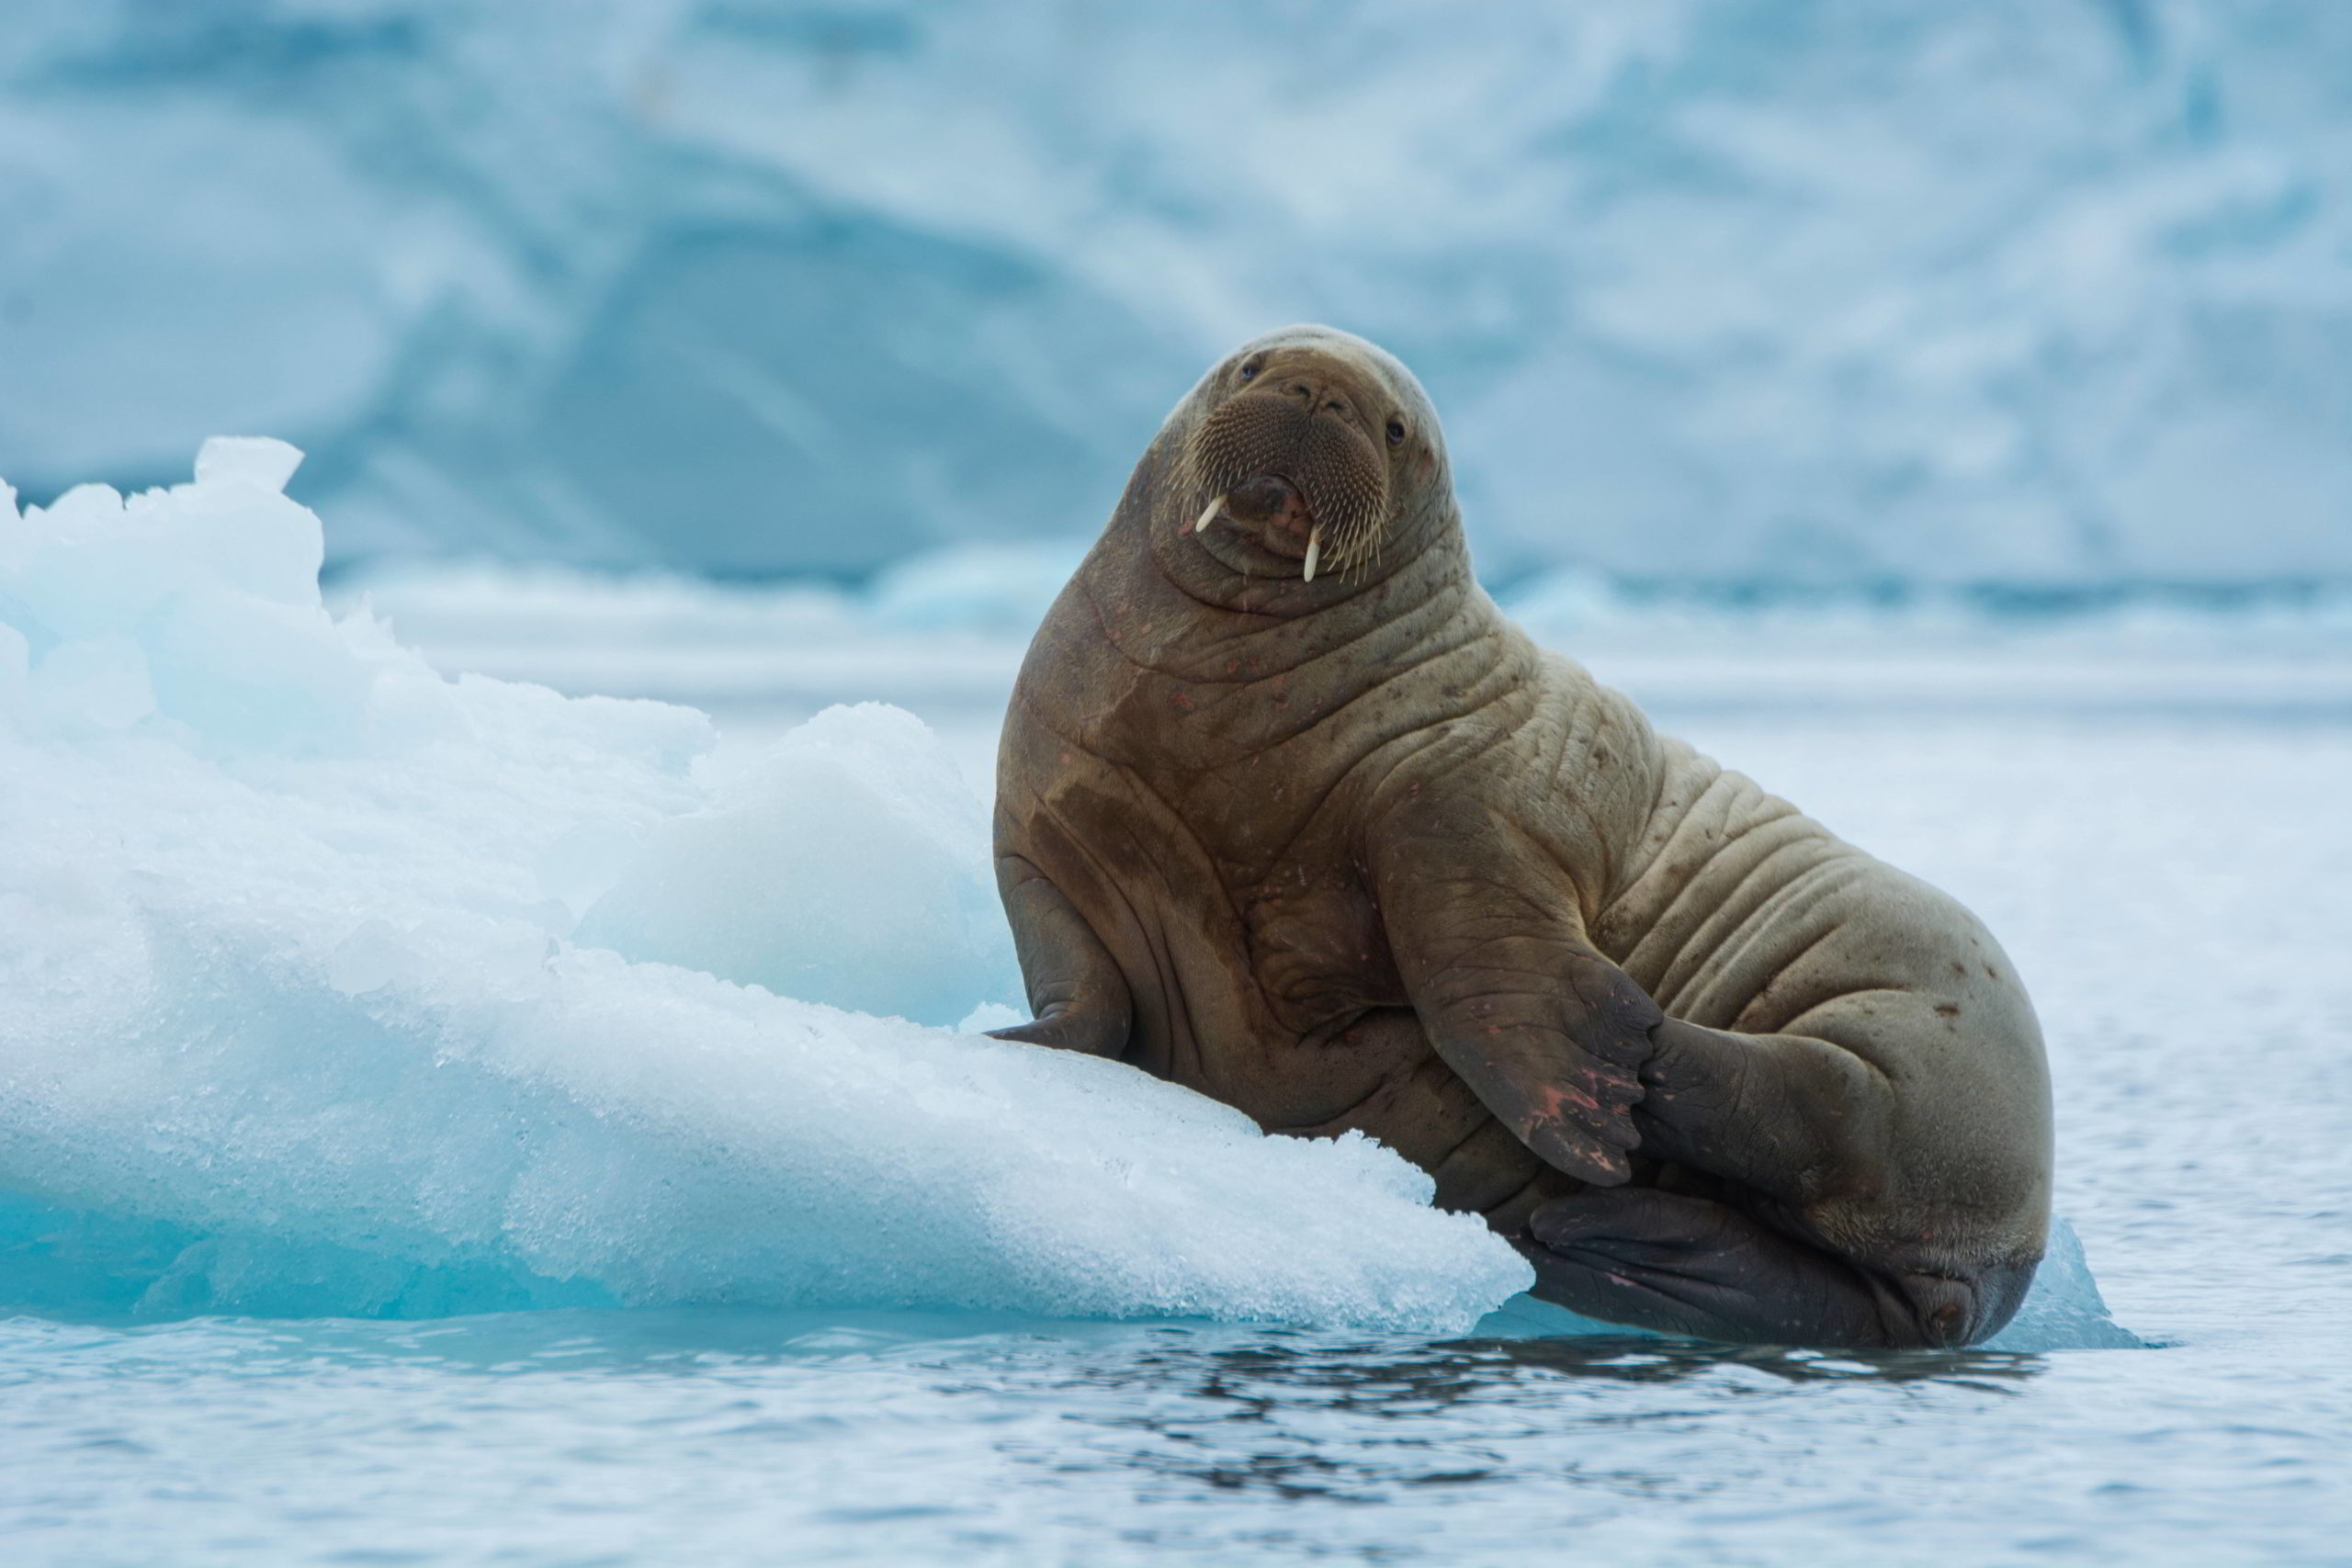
{"x": 2038, "y": 299}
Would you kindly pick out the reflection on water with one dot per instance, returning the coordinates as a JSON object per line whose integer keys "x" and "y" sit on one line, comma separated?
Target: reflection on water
{"x": 888, "y": 1437}
{"x": 1177, "y": 1407}
{"x": 1354, "y": 1422}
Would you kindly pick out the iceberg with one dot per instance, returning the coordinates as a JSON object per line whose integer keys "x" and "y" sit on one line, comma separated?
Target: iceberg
{"x": 1712, "y": 292}
{"x": 335, "y": 986}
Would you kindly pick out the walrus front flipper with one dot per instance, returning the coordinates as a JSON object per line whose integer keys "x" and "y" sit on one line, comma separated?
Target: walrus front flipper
{"x": 1080, "y": 998}
{"x": 1685, "y": 1265}
{"x": 1551, "y": 1042}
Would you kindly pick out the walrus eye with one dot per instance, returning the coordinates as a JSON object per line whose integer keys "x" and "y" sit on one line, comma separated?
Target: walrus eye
{"x": 1250, "y": 371}
{"x": 1395, "y": 431}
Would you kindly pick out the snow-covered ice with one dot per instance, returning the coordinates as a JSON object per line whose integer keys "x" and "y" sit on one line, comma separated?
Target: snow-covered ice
{"x": 334, "y": 985}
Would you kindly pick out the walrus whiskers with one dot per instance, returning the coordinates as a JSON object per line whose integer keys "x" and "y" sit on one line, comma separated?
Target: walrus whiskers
{"x": 1210, "y": 515}
{"x": 1313, "y": 549}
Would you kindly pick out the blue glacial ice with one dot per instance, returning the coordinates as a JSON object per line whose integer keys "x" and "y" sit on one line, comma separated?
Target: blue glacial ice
{"x": 2044, "y": 293}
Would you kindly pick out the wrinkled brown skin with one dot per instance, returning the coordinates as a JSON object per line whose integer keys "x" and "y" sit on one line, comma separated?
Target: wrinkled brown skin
{"x": 1355, "y": 853}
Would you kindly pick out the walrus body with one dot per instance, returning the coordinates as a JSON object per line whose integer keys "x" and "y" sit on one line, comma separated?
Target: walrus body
{"x": 1348, "y": 850}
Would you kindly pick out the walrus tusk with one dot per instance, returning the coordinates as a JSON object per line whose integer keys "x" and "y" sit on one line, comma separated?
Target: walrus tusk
{"x": 1314, "y": 549}
{"x": 1211, "y": 512}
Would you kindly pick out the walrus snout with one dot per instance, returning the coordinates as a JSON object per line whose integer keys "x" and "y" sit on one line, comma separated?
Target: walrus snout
{"x": 1297, "y": 469}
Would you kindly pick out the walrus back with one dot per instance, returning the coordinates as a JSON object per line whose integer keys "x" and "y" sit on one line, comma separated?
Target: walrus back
{"x": 1737, "y": 912}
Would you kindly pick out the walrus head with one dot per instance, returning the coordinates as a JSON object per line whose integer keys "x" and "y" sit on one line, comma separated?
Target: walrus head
{"x": 1311, "y": 451}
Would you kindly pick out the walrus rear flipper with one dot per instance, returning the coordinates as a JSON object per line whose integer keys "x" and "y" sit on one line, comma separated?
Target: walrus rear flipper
{"x": 1685, "y": 1265}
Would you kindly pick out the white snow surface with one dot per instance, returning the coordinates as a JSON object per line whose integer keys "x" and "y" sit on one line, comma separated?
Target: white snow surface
{"x": 2055, "y": 293}
{"x": 334, "y": 985}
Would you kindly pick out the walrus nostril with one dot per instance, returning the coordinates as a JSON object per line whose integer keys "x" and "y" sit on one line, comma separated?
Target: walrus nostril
{"x": 1259, "y": 498}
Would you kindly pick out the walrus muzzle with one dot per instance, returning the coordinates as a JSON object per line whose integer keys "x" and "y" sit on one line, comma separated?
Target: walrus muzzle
{"x": 1338, "y": 476}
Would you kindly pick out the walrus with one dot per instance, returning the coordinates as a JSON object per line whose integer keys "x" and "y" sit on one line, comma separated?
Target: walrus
{"x": 1288, "y": 812}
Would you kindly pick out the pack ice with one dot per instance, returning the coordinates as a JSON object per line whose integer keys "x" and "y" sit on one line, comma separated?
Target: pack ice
{"x": 331, "y": 986}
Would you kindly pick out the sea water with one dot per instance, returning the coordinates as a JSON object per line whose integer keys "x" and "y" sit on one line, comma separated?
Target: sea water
{"x": 406, "y": 1162}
